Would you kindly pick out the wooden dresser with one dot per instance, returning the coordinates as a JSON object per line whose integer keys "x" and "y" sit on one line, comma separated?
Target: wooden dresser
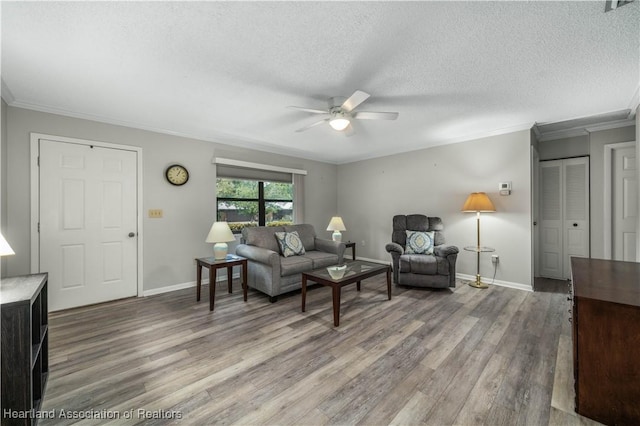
{"x": 606, "y": 339}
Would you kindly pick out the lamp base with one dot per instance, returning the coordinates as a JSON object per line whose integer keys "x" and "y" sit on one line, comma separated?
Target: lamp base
{"x": 478, "y": 283}
{"x": 336, "y": 236}
{"x": 220, "y": 251}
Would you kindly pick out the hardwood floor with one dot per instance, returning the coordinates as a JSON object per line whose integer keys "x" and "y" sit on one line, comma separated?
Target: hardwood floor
{"x": 436, "y": 357}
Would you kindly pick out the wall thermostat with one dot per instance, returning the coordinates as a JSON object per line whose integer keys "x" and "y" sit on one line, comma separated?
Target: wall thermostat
{"x": 504, "y": 188}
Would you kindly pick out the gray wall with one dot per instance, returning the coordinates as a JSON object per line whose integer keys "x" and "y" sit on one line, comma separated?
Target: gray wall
{"x": 577, "y": 146}
{"x": 436, "y": 182}
{"x": 3, "y": 179}
{"x": 638, "y": 184}
{"x": 170, "y": 243}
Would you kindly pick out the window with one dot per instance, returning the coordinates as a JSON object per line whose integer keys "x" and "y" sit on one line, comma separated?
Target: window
{"x": 244, "y": 203}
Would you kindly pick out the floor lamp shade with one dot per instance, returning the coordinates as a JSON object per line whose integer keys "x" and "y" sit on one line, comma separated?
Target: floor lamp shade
{"x": 220, "y": 234}
{"x": 336, "y": 225}
{"x": 478, "y": 202}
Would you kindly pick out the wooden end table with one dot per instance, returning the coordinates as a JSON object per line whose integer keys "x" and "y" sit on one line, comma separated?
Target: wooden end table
{"x": 351, "y": 244}
{"x": 214, "y": 265}
{"x": 356, "y": 272}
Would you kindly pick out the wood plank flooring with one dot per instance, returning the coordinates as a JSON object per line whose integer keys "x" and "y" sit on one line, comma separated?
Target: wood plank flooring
{"x": 426, "y": 357}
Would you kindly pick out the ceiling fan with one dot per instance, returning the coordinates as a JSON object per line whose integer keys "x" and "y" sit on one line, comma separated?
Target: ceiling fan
{"x": 340, "y": 113}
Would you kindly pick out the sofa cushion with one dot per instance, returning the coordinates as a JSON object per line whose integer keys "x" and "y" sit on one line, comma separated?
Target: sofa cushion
{"x": 295, "y": 265}
{"x": 423, "y": 264}
{"x": 419, "y": 242}
{"x": 290, "y": 243}
{"x": 262, "y": 236}
{"x": 322, "y": 259}
{"x": 306, "y": 233}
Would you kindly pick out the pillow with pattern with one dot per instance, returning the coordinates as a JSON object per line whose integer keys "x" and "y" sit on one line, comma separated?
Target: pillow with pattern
{"x": 419, "y": 242}
{"x": 290, "y": 243}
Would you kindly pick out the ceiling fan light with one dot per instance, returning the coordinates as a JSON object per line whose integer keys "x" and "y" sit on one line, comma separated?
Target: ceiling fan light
{"x": 339, "y": 123}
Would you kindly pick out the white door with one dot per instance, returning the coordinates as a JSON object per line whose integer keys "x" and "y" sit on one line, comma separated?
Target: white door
{"x": 88, "y": 223}
{"x": 576, "y": 210}
{"x": 564, "y": 215}
{"x": 551, "y": 219}
{"x": 624, "y": 204}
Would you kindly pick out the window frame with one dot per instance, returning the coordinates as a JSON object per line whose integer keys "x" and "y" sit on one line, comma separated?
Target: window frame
{"x": 261, "y": 200}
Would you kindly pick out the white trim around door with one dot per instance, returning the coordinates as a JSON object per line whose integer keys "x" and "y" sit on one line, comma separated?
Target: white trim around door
{"x": 35, "y": 197}
{"x": 608, "y": 195}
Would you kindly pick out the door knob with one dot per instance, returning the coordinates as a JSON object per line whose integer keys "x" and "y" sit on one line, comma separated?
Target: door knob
{"x": 132, "y": 234}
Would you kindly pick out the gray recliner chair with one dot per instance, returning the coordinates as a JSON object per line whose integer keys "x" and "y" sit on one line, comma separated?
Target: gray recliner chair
{"x": 436, "y": 270}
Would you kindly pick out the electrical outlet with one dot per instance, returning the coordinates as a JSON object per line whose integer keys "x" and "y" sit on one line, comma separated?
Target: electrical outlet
{"x": 363, "y": 243}
{"x": 155, "y": 213}
{"x": 495, "y": 258}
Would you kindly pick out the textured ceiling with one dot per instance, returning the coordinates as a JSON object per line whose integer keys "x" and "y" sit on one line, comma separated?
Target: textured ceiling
{"x": 226, "y": 71}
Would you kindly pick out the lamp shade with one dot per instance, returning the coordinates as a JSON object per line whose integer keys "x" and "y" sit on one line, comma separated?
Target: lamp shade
{"x": 478, "y": 202}
{"x": 220, "y": 233}
{"x": 336, "y": 224}
{"x": 5, "y": 248}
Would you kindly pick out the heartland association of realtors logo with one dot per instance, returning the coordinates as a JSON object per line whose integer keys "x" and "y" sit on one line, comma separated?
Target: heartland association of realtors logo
{"x": 139, "y": 413}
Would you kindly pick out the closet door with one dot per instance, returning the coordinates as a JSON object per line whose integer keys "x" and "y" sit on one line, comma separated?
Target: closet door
{"x": 576, "y": 210}
{"x": 551, "y": 223}
{"x": 564, "y": 213}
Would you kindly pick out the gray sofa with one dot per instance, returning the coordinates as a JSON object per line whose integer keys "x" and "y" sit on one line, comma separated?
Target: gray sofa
{"x": 274, "y": 274}
{"x": 436, "y": 270}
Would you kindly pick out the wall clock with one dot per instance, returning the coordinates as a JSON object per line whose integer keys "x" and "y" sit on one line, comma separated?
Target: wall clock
{"x": 177, "y": 174}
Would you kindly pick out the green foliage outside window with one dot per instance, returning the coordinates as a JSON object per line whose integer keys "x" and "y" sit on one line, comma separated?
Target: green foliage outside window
{"x": 239, "y": 203}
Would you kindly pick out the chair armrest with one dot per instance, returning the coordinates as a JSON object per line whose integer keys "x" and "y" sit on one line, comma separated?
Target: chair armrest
{"x": 445, "y": 250}
{"x": 394, "y": 248}
{"x": 258, "y": 254}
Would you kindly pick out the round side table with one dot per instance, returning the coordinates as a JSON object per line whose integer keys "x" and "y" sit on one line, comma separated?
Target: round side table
{"x": 478, "y": 282}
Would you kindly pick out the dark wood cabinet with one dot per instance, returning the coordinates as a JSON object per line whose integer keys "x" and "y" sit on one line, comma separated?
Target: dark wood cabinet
{"x": 606, "y": 339}
{"x": 25, "y": 348}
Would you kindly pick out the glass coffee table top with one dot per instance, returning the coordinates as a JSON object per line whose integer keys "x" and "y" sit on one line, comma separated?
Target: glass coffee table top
{"x": 348, "y": 269}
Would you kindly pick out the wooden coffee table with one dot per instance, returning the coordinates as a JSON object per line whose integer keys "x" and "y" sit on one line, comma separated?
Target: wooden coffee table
{"x": 355, "y": 272}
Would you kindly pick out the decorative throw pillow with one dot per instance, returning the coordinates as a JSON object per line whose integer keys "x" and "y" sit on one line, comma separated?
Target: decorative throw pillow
{"x": 290, "y": 243}
{"x": 419, "y": 242}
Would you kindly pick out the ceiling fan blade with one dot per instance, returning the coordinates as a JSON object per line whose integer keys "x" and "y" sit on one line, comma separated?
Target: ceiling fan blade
{"x": 308, "y": 126}
{"x": 354, "y": 100}
{"x": 315, "y": 111}
{"x": 370, "y": 115}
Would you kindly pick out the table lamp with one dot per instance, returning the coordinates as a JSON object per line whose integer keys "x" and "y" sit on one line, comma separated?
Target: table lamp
{"x": 220, "y": 234}
{"x": 478, "y": 202}
{"x": 336, "y": 225}
{"x": 5, "y": 248}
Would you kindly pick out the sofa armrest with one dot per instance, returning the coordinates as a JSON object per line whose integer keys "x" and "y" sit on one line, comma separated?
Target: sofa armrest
{"x": 394, "y": 248}
{"x": 258, "y": 254}
{"x": 330, "y": 246}
{"x": 445, "y": 250}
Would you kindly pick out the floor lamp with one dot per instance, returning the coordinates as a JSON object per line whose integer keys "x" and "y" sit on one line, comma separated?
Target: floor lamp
{"x": 478, "y": 202}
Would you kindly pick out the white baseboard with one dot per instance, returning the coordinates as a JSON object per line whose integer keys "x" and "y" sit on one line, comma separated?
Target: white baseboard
{"x": 500, "y": 283}
{"x": 182, "y": 286}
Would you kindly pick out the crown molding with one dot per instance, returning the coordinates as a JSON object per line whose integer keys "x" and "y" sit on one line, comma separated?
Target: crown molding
{"x": 6, "y": 93}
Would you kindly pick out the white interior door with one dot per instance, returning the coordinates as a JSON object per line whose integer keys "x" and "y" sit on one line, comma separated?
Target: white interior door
{"x": 624, "y": 203}
{"x": 564, "y": 215}
{"x": 551, "y": 219}
{"x": 87, "y": 222}
{"x": 575, "y": 210}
